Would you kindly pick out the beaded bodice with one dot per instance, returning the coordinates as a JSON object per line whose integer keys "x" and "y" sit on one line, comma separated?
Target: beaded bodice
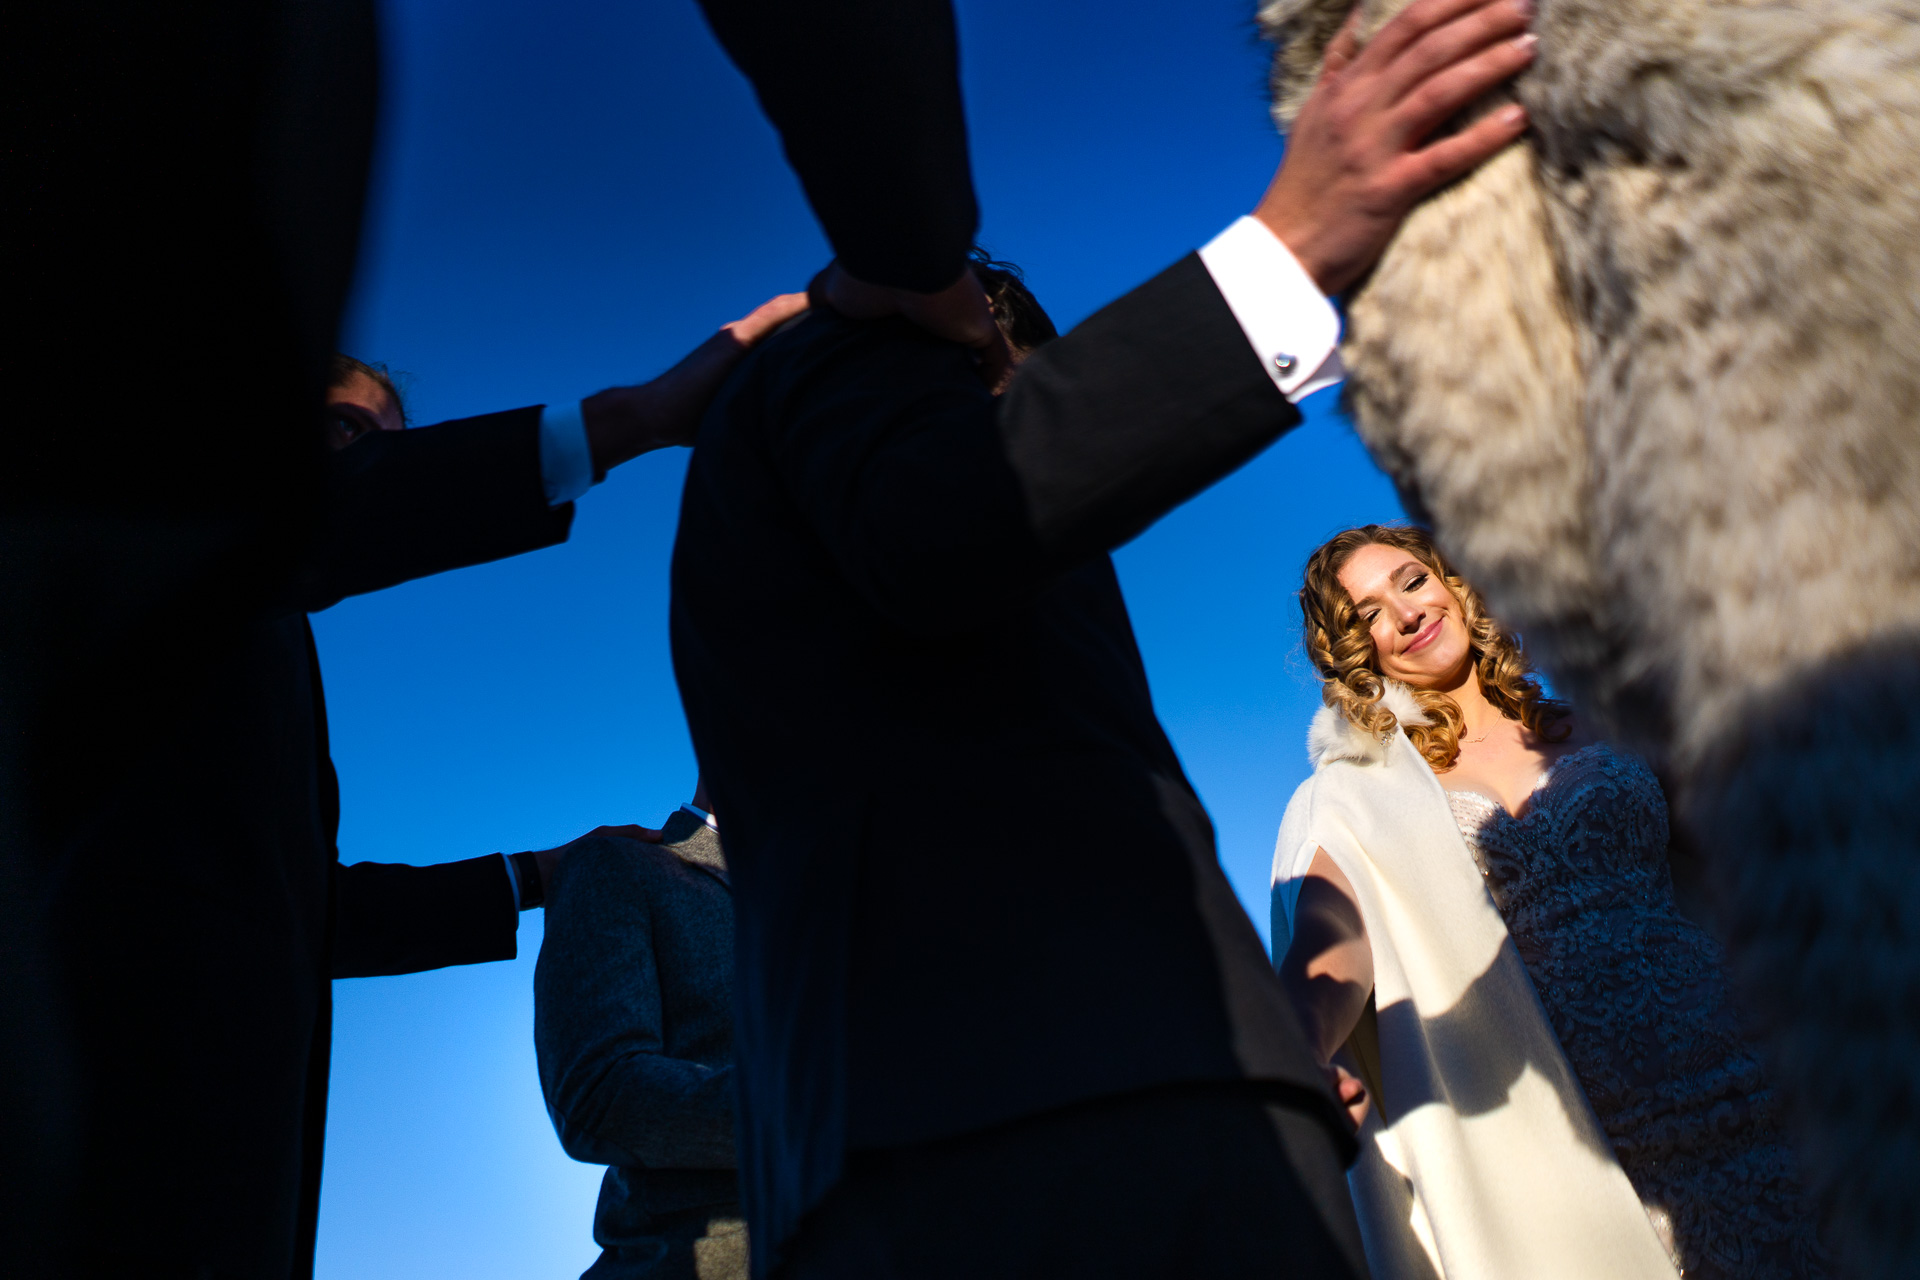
{"x": 1638, "y": 996}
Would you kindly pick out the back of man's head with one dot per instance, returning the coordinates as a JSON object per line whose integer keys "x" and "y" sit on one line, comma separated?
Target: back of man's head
{"x": 1019, "y": 314}
{"x": 361, "y": 397}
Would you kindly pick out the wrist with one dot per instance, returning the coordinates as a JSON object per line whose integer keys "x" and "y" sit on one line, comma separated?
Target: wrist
{"x": 617, "y": 422}
{"x": 1308, "y": 243}
{"x": 532, "y": 879}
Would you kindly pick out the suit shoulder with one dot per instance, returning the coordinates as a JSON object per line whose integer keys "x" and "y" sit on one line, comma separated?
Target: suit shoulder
{"x": 823, "y": 340}
{"x": 606, "y": 862}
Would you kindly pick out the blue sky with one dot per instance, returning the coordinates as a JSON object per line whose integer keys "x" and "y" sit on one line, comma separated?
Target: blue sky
{"x": 569, "y": 197}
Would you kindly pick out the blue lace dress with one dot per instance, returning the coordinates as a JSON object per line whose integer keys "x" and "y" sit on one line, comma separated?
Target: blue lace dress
{"x": 1638, "y": 996}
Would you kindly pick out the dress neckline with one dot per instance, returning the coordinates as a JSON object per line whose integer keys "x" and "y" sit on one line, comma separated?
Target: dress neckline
{"x": 1527, "y": 806}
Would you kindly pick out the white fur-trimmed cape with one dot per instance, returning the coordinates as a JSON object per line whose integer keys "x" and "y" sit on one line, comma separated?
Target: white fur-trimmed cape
{"x": 1483, "y": 1160}
{"x": 1334, "y": 737}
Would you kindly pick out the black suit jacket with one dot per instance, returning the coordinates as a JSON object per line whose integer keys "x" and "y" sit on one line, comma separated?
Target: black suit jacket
{"x": 188, "y": 904}
{"x": 973, "y": 882}
{"x": 404, "y": 505}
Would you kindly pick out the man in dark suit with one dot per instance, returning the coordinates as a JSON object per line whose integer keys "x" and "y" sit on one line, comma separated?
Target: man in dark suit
{"x": 998, "y": 1009}
{"x": 633, "y": 1024}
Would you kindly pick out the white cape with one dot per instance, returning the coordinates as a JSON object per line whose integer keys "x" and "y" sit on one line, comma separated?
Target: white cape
{"x": 1490, "y": 1164}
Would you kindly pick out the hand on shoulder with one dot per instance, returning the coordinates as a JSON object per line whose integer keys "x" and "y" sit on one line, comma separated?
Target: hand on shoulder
{"x": 549, "y": 860}
{"x": 625, "y": 422}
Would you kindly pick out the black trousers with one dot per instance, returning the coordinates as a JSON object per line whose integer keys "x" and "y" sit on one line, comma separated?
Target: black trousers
{"x": 1182, "y": 1183}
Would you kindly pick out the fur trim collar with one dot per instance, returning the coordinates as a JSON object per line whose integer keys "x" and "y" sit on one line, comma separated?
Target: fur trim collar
{"x": 1334, "y": 737}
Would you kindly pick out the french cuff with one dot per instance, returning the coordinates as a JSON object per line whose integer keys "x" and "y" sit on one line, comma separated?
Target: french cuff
{"x": 1289, "y": 322}
{"x": 566, "y": 463}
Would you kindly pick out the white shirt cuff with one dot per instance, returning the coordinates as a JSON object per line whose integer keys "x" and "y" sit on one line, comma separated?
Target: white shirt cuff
{"x": 1291, "y": 325}
{"x": 566, "y": 463}
{"x": 513, "y": 880}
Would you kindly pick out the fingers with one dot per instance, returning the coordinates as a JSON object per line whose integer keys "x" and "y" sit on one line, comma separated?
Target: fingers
{"x": 1453, "y": 156}
{"x": 1415, "y": 21}
{"x": 765, "y": 318}
{"x": 1345, "y": 47}
{"x": 959, "y": 313}
{"x": 1447, "y": 94}
{"x": 629, "y": 831}
{"x": 1446, "y": 46}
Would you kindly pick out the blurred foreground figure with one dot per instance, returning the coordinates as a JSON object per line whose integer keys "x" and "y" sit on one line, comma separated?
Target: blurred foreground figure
{"x": 998, "y": 1010}
{"x": 633, "y": 1024}
{"x": 1654, "y": 374}
{"x": 191, "y": 180}
{"x": 1045, "y": 1039}
{"x": 183, "y": 195}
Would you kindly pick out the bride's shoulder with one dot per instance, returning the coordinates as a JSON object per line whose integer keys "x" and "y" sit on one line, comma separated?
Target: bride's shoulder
{"x": 1572, "y": 732}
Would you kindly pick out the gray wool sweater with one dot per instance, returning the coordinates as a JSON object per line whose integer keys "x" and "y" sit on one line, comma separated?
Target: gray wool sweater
{"x": 633, "y": 1028}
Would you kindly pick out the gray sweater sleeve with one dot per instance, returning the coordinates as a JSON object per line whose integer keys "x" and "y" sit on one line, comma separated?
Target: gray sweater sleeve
{"x": 616, "y": 1096}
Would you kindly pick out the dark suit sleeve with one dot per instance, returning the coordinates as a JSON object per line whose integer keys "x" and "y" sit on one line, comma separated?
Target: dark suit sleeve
{"x": 391, "y": 918}
{"x": 866, "y": 96}
{"x": 616, "y": 1096}
{"x": 937, "y": 502}
{"x": 1144, "y": 404}
{"x": 405, "y": 504}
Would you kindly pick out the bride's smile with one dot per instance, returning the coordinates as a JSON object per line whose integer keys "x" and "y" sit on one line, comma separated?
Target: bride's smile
{"x": 1413, "y": 619}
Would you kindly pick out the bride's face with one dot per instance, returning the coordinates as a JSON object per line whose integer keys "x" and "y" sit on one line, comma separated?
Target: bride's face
{"x": 1419, "y": 630}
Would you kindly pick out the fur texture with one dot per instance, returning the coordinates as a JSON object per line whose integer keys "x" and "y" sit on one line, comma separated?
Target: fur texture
{"x": 1334, "y": 737}
{"x": 1654, "y": 376}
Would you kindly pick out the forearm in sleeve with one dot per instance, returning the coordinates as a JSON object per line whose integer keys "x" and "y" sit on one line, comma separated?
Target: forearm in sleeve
{"x": 650, "y": 1111}
{"x": 404, "y": 504}
{"x": 391, "y": 918}
{"x": 1141, "y": 406}
{"x": 866, "y": 96}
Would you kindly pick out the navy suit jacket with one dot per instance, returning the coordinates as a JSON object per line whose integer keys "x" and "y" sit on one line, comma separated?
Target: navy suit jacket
{"x": 972, "y": 880}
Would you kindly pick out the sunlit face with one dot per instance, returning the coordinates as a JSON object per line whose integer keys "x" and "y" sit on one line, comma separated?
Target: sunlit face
{"x": 1418, "y": 628}
{"x": 357, "y": 406}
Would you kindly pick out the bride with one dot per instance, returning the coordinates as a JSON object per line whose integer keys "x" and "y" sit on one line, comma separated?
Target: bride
{"x": 1474, "y": 917}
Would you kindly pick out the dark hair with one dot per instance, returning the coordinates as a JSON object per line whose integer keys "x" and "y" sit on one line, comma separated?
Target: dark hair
{"x": 345, "y": 369}
{"x": 1018, "y": 312}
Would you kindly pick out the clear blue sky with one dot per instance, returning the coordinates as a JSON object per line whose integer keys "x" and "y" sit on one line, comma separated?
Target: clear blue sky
{"x": 569, "y": 196}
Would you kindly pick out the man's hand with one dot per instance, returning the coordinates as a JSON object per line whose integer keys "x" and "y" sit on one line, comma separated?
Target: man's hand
{"x": 958, "y": 313}
{"x": 1351, "y": 1093}
{"x": 1358, "y": 159}
{"x": 548, "y": 860}
{"x": 625, "y": 422}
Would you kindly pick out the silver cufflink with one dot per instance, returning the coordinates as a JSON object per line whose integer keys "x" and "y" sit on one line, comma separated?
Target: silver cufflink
{"x": 1284, "y": 363}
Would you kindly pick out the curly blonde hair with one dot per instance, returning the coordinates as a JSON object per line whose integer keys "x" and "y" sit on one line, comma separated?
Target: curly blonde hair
{"x": 1337, "y": 639}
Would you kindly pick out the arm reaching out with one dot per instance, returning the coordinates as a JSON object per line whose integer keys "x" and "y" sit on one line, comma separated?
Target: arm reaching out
{"x": 625, "y": 422}
{"x": 1328, "y": 971}
{"x": 1360, "y": 156}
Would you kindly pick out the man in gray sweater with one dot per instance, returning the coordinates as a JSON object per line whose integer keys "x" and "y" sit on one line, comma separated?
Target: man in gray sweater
{"x": 633, "y": 1026}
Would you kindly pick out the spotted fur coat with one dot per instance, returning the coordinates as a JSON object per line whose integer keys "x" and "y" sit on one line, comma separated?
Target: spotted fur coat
{"x": 1653, "y": 374}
